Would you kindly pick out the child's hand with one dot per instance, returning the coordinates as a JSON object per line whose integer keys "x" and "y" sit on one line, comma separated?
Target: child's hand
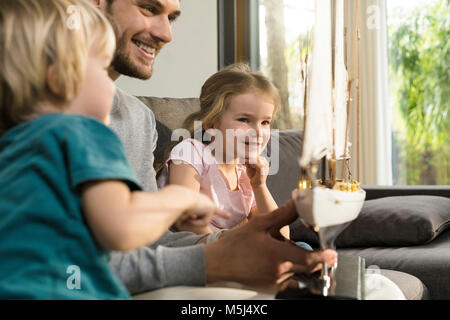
{"x": 257, "y": 172}
{"x": 197, "y": 218}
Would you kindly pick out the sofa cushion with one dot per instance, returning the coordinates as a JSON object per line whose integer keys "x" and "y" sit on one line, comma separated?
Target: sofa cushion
{"x": 429, "y": 262}
{"x": 170, "y": 114}
{"x": 284, "y": 148}
{"x": 162, "y": 145}
{"x": 171, "y": 111}
{"x": 376, "y": 192}
{"x": 390, "y": 221}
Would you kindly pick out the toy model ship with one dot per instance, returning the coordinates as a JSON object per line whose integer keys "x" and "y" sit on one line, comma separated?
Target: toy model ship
{"x": 320, "y": 206}
{"x": 329, "y": 205}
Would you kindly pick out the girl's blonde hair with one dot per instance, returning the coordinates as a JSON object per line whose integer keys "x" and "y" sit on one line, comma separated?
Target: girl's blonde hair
{"x": 39, "y": 34}
{"x": 217, "y": 91}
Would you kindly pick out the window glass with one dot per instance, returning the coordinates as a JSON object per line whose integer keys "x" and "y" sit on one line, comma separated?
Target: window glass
{"x": 419, "y": 64}
{"x": 284, "y": 31}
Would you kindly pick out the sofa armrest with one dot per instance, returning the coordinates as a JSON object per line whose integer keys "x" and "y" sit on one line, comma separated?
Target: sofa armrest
{"x": 375, "y": 192}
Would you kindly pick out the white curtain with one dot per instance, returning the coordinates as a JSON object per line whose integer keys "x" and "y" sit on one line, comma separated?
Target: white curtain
{"x": 376, "y": 132}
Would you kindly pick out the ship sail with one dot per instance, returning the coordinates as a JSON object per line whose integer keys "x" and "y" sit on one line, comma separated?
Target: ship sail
{"x": 326, "y": 115}
{"x": 318, "y": 130}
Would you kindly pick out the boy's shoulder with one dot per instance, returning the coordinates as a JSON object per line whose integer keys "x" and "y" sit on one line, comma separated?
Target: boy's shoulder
{"x": 57, "y": 126}
{"x": 72, "y": 124}
{"x": 52, "y": 134}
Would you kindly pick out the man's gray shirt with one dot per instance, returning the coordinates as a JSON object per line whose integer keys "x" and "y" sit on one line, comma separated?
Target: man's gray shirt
{"x": 135, "y": 125}
{"x": 174, "y": 259}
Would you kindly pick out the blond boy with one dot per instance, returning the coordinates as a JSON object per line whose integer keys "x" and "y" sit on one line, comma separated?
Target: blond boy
{"x": 68, "y": 195}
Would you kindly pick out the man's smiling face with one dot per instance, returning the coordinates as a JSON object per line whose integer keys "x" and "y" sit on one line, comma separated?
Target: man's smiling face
{"x": 142, "y": 28}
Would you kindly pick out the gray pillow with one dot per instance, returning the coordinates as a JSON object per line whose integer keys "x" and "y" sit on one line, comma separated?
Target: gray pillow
{"x": 282, "y": 182}
{"x": 390, "y": 221}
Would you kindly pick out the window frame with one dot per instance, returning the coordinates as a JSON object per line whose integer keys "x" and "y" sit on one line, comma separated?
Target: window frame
{"x": 238, "y": 32}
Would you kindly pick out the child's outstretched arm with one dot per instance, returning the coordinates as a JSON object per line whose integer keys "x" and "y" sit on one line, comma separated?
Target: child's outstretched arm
{"x": 265, "y": 203}
{"x": 184, "y": 174}
{"x": 124, "y": 220}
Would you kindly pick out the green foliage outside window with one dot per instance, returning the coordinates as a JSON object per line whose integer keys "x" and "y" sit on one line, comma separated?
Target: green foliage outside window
{"x": 419, "y": 60}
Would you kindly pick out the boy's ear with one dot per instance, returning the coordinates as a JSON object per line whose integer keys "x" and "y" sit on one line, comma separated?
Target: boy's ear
{"x": 52, "y": 85}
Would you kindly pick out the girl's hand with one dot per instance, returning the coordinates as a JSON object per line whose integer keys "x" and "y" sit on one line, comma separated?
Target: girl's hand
{"x": 257, "y": 172}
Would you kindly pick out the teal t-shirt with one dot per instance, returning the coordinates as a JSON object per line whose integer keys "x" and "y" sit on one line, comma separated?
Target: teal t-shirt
{"x": 46, "y": 248}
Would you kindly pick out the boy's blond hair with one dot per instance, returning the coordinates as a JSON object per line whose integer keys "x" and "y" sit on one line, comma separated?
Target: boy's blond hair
{"x": 36, "y": 35}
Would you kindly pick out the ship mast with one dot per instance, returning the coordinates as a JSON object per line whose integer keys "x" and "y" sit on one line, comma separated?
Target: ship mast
{"x": 334, "y": 74}
{"x": 358, "y": 93}
{"x": 355, "y": 46}
{"x": 340, "y": 91}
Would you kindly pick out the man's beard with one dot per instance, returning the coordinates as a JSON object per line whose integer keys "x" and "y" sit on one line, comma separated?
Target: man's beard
{"x": 123, "y": 64}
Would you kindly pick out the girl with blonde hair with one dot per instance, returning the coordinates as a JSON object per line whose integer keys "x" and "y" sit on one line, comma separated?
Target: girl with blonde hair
{"x": 222, "y": 159}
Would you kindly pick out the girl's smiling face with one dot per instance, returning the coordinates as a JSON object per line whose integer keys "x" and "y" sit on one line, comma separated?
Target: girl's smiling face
{"x": 247, "y": 117}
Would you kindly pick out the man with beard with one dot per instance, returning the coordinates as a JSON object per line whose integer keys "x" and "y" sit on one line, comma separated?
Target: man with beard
{"x": 142, "y": 29}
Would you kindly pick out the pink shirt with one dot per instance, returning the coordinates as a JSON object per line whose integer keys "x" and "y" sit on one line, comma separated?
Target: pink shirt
{"x": 236, "y": 203}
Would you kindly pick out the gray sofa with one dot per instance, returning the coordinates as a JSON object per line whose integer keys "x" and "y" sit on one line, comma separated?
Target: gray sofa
{"x": 416, "y": 243}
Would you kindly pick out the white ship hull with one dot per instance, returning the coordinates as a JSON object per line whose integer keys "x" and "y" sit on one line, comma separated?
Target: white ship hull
{"x": 323, "y": 207}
